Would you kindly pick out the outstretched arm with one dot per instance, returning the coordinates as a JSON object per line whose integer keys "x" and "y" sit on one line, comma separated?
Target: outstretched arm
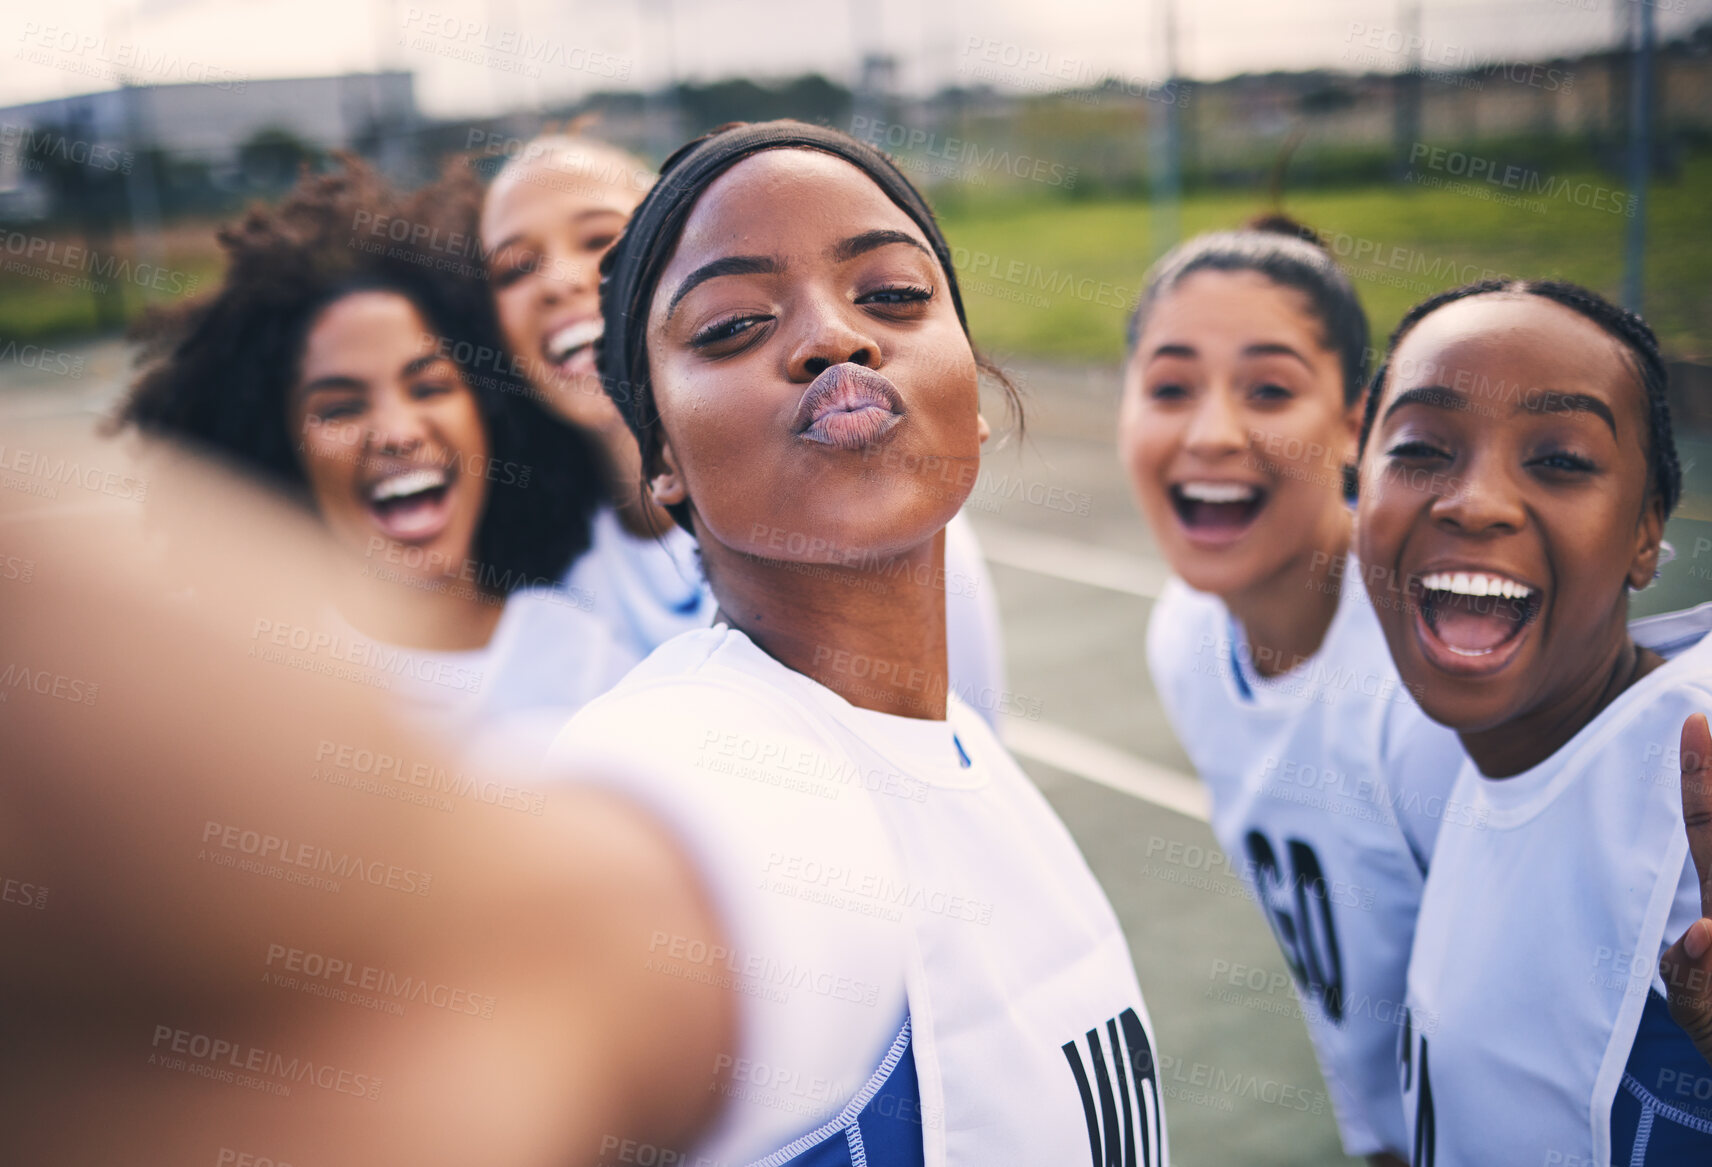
{"x": 209, "y": 953}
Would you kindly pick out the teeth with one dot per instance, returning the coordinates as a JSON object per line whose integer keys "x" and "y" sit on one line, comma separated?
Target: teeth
{"x": 1218, "y": 492}
{"x": 410, "y": 482}
{"x": 572, "y": 337}
{"x": 1475, "y": 583}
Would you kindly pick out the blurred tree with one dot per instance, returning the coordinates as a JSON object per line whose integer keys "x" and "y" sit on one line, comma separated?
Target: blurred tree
{"x": 269, "y": 159}
{"x": 85, "y": 192}
{"x": 810, "y": 98}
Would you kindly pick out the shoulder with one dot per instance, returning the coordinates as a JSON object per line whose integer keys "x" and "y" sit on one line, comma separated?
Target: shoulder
{"x": 1187, "y": 631}
{"x": 1353, "y": 661}
{"x": 1677, "y": 688}
{"x": 552, "y": 627}
{"x": 696, "y": 691}
{"x": 1671, "y": 634}
{"x": 551, "y": 611}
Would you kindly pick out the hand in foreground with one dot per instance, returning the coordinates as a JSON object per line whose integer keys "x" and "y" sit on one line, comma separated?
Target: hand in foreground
{"x": 1687, "y": 965}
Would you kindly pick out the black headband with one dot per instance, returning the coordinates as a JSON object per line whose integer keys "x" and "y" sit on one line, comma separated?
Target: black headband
{"x": 631, "y": 270}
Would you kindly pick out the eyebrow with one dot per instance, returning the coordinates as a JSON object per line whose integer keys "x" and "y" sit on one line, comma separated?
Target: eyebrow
{"x": 334, "y": 383}
{"x": 1548, "y": 401}
{"x": 731, "y": 265}
{"x": 747, "y": 265}
{"x": 869, "y": 240}
{"x": 1274, "y": 349}
{"x": 592, "y": 212}
{"x": 1265, "y": 349}
{"x": 1173, "y": 350}
{"x": 1433, "y": 396}
{"x": 1572, "y": 403}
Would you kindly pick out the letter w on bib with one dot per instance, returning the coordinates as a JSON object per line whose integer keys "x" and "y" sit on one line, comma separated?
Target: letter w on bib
{"x": 1121, "y": 1102}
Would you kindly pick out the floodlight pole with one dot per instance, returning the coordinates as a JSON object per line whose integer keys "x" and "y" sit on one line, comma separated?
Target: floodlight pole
{"x": 1166, "y": 161}
{"x": 1640, "y": 151}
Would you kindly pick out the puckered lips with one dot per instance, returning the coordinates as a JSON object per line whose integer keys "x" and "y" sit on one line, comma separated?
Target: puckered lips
{"x": 848, "y": 407}
{"x": 1213, "y": 512}
{"x": 409, "y": 502}
{"x": 569, "y": 347}
{"x": 1470, "y": 620}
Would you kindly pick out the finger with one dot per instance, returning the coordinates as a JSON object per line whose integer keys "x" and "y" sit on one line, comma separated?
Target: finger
{"x": 1697, "y": 801}
{"x": 1688, "y": 983}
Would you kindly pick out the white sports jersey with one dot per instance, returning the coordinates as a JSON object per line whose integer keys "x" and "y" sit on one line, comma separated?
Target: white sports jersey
{"x": 545, "y": 660}
{"x": 649, "y": 590}
{"x": 1327, "y": 786}
{"x": 1670, "y": 633}
{"x": 1534, "y": 983}
{"x": 646, "y": 590}
{"x": 892, "y": 889}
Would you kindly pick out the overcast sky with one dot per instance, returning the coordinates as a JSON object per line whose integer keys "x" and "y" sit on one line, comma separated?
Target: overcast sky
{"x": 484, "y": 56}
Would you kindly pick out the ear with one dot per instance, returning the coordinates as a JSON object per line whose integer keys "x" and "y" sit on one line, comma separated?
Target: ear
{"x": 1648, "y": 534}
{"x": 667, "y": 484}
{"x": 982, "y": 428}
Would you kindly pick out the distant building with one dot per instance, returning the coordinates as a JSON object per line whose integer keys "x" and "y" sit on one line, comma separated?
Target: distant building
{"x": 209, "y": 122}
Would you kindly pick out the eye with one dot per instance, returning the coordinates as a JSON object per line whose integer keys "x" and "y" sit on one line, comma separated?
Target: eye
{"x": 1564, "y": 461}
{"x": 727, "y": 329}
{"x": 599, "y": 243}
{"x": 1416, "y": 448}
{"x": 512, "y": 268}
{"x": 1169, "y": 391}
{"x": 897, "y": 294}
{"x": 422, "y": 390}
{"x": 1270, "y": 392}
{"x": 337, "y": 410}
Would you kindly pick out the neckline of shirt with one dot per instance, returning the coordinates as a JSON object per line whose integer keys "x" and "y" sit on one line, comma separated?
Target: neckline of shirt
{"x": 932, "y": 751}
{"x": 1514, "y": 800}
{"x": 1298, "y": 686}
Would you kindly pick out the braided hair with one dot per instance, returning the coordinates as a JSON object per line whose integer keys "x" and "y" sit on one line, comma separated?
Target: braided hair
{"x": 1626, "y": 327}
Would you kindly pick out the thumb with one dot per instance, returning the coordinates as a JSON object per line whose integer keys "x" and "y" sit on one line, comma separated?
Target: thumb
{"x": 1686, "y": 967}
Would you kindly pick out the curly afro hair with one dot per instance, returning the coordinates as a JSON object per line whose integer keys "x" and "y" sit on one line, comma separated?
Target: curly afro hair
{"x": 216, "y": 372}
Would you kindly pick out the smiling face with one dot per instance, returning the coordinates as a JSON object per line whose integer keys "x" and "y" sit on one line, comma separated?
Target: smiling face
{"x": 545, "y": 225}
{"x": 1234, "y": 431}
{"x": 391, "y": 439}
{"x": 817, "y": 394}
{"x": 1504, "y": 509}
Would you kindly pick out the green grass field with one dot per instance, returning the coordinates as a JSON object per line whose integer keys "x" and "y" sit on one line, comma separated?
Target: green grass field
{"x": 51, "y": 281}
{"x": 1050, "y": 276}
{"x": 1057, "y": 278}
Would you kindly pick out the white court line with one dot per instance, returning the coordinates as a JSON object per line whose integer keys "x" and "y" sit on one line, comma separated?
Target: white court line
{"x": 1069, "y": 559}
{"x": 1065, "y": 749}
{"x": 1074, "y": 753}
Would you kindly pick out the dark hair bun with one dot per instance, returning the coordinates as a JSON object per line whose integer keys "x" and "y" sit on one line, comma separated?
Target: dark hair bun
{"x": 1278, "y": 223}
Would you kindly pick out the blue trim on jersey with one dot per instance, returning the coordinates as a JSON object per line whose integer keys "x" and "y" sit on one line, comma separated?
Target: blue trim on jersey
{"x": 1662, "y": 1116}
{"x": 1242, "y": 685}
{"x": 961, "y": 752}
{"x": 880, "y": 1126}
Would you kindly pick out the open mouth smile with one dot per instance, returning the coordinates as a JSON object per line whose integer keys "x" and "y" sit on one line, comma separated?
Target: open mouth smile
{"x": 412, "y": 504}
{"x": 570, "y": 349}
{"x": 1472, "y": 622}
{"x": 1216, "y": 512}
